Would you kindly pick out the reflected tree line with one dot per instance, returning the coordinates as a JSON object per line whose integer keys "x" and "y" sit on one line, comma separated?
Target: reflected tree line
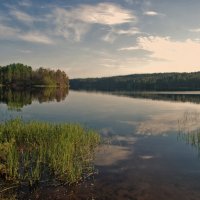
{"x": 18, "y": 98}
{"x": 194, "y": 98}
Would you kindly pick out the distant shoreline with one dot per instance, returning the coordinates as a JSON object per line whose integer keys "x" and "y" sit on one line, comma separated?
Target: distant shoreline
{"x": 140, "y": 82}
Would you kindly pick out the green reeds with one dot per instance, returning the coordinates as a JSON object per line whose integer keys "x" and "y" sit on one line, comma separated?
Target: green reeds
{"x": 34, "y": 151}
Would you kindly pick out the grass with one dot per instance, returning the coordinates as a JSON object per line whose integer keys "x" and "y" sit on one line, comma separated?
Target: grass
{"x": 192, "y": 138}
{"x": 35, "y": 151}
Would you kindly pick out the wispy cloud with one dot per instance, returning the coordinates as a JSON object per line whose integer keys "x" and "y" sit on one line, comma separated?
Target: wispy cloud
{"x": 122, "y": 65}
{"x": 11, "y": 33}
{"x": 72, "y": 23}
{"x": 131, "y": 2}
{"x": 131, "y": 31}
{"x": 25, "y": 3}
{"x": 197, "y": 30}
{"x": 151, "y": 13}
{"x": 66, "y": 24}
{"x": 36, "y": 37}
{"x": 109, "y": 37}
{"x": 25, "y": 51}
{"x": 22, "y": 16}
{"x": 7, "y": 32}
{"x": 138, "y": 2}
{"x": 77, "y": 21}
{"x": 128, "y": 48}
{"x": 103, "y": 13}
{"x": 113, "y": 34}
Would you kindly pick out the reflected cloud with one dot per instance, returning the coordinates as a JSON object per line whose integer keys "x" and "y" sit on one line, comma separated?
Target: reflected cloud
{"x": 111, "y": 154}
{"x": 169, "y": 122}
{"x": 189, "y": 123}
{"x": 146, "y": 157}
{"x": 159, "y": 124}
{"x": 127, "y": 139}
{"x": 107, "y": 131}
{"x": 155, "y": 125}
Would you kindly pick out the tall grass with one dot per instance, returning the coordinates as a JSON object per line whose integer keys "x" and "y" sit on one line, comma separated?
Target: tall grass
{"x": 35, "y": 151}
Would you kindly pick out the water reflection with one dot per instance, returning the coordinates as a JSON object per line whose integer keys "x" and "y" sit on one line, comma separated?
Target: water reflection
{"x": 159, "y": 124}
{"x": 143, "y": 158}
{"x": 15, "y": 99}
{"x": 113, "y": 154}
{"x": 193, "y": 97}
{"x": 119, "y": 148}
{"x": 189, "y": 129}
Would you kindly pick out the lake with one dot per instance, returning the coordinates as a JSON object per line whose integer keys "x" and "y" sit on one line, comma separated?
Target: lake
{"x": 150, "y": 151}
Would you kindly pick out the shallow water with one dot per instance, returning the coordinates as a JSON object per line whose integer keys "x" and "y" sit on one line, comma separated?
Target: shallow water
{"x": 146, "y": 154}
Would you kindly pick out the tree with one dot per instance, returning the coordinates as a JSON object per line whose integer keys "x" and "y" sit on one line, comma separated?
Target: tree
{"x": 23, "y": 75}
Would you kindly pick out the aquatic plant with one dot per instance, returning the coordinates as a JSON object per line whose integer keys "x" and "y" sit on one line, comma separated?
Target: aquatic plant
{"x": 35, "y": 151}
{"x": 189, "y": 129}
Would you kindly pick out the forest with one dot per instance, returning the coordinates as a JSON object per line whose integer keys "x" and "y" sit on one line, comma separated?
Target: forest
{"x": 141, "y": 82}
{"x": 18, "y": 74}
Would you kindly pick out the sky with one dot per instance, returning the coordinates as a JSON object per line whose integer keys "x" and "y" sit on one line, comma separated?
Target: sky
{"x": 93, "y": 38}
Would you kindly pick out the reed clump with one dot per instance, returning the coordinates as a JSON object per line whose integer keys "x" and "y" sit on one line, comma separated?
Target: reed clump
{"x": 34, "y": 151}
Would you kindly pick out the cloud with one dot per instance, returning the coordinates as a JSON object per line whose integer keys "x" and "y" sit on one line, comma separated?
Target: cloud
{"x": 151, "y": 13}
{"x": 7, "y": 32}
{"x": 113, "y": 34}
{"x": 77, "y": 21}
{"x": 109, "y": 37}
{"x": 166, "y": 54}
{"x": 36, "y": 37}
{"x": 170, "y": 122}
{"x": 167, "y": 49}
{"x": 25, "y": 17}
{"x": 25, "y": 3}
{"x": 25, "y": 51}
{"x": 131, "y": 31}
{"x": 158, "y": 124}
{"x": 115, "y": 153}
{"x": 22, "y": 16}
{"x": 104, "y": 13}
{"x": 66, "y": 24}
{"x": 122, "y": 65}
{"x": 12, "y": 33}
{"x": 138, "y": 2}
{"x": 197, "y": 30}
{"x": 72, "y": 23}
{"x": 131, "y": 2}
{"x": 128, "y": 48}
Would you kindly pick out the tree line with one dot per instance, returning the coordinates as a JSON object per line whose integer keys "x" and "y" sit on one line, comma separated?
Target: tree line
{"x": 141, "y": 82}
{"x": 18, "y": 74}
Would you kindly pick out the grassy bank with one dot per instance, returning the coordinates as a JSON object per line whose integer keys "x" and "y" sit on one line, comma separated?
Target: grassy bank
{"x": 36, "y": 151}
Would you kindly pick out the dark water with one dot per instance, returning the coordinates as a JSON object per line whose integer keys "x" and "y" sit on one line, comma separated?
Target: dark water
{"x": 147, "y": 154}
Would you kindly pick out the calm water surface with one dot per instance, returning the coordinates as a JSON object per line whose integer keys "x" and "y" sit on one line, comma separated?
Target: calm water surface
{"x": 146, "y": 155}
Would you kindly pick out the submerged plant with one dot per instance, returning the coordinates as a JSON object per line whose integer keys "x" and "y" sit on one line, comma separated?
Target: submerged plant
{"x": 34, "y": 151}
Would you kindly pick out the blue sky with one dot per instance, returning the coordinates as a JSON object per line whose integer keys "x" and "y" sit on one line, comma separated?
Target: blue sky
{"x": 92, "y": 38}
